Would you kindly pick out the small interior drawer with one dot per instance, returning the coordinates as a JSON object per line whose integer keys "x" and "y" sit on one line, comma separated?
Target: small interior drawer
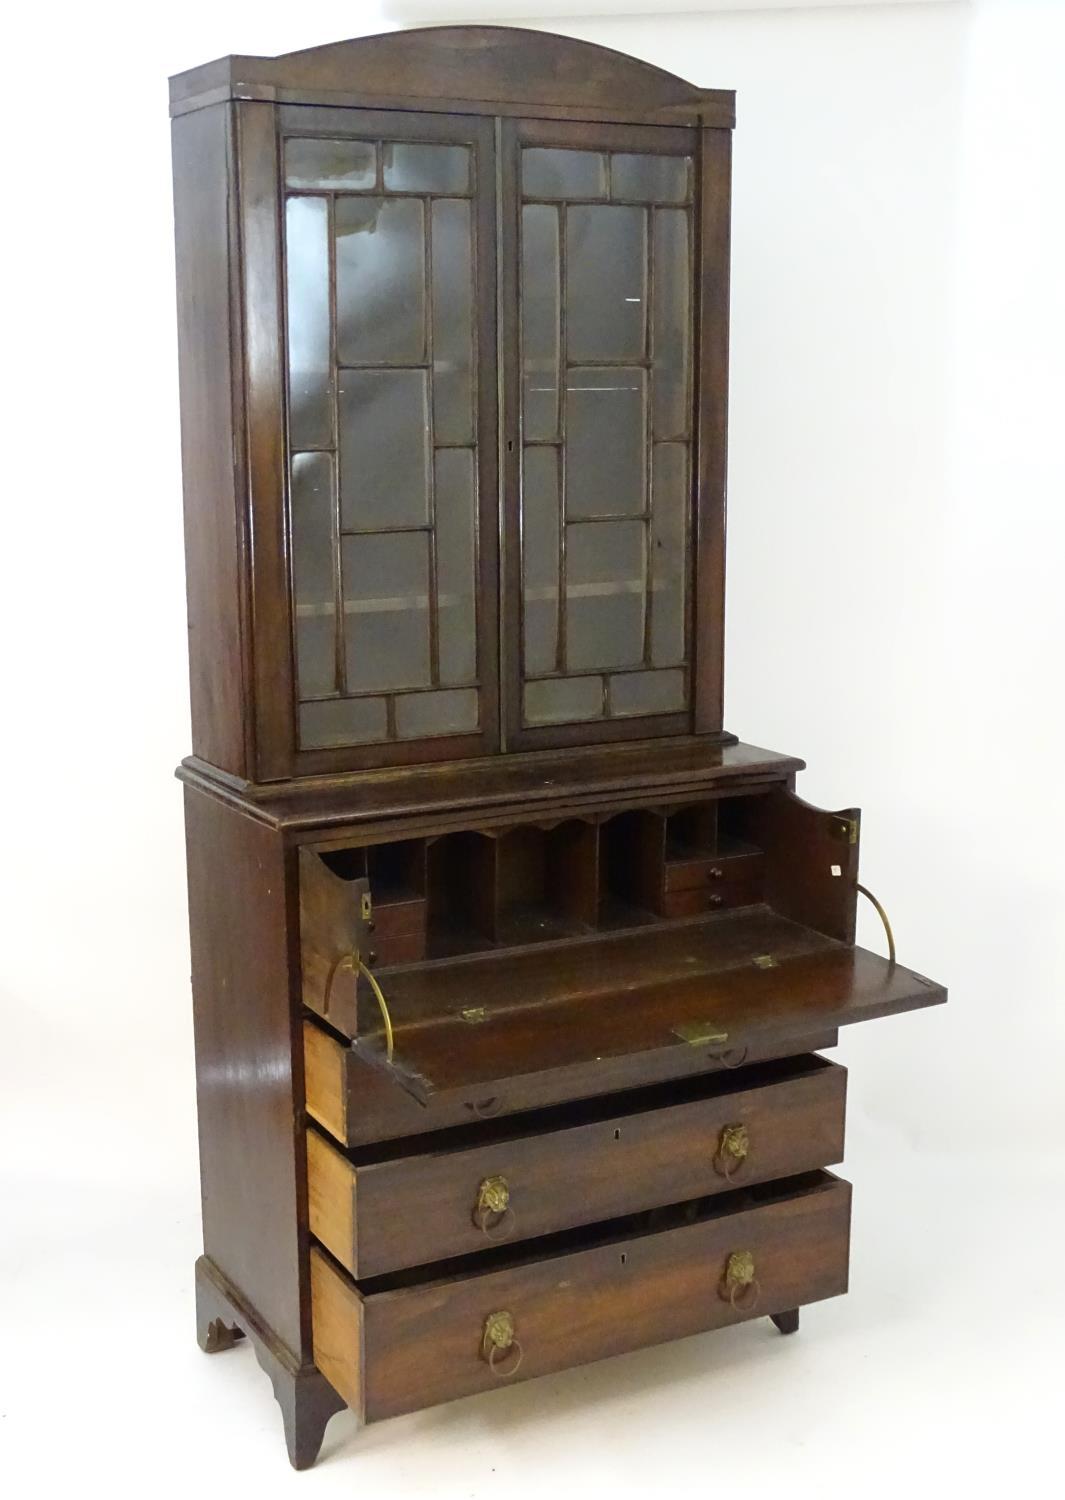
{"x": 713, "y": 872}
{"x": 430, "y": 1199}
{"x": 402, "y": 1342}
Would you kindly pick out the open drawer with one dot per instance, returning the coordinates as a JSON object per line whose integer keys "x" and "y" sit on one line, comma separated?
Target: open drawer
{"x": 413, "y": 1339}
{"x": 457, "y": 1192}
{"x": 555, "y": 966}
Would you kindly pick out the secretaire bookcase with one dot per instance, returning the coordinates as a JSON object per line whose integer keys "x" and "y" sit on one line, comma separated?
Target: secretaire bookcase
{"x": 510, "y": 966}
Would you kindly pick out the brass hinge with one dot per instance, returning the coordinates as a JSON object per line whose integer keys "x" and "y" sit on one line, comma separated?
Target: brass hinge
{"x": 845, "y": 830}
{"x": 700, "y": 1033}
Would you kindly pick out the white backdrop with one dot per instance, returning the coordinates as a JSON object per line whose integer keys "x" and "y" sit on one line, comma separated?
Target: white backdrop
{"x": 895, "y": 616}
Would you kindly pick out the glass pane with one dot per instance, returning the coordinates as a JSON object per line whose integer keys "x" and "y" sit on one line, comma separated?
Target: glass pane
{"x": 384, "y": 449}
{"x": 411, "y": 167}
{"x": 380, "y": 280}
{"x": 671, "y": 325}
{"x": 456, "y": 519}
{"x": 313, "y": 583}
{"x": 337, "y": 165}
{"x": 669, "y": 553}
{"x": 606, "y": 282}
{"x": 452, "y": 322}
{"x": 605, "y": 443}
{"x": 651, "y": 179}
{"x": 421, "y": 715}
{"x": 605, "y": 592}
{"x": 386, "y": 610}
{"x": 563, "y": 700}
{"x": 342, "y": 721}
{"x": 552, "y": 173}
{"x": 310, "y": 370}
{"x": 540, "y": 514}
{"x": 540, "y": 318}
{"x": 647, "y": 693}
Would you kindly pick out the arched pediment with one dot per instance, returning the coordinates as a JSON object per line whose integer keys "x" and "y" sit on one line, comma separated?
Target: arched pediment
{"x": 477, "y": 66}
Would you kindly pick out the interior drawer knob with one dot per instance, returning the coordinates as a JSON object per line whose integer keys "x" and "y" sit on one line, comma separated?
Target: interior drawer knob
{"x": 739, "y": 1285}
{"x": 499, "y": 1344}
{"x": 733, "y": 1148}
{"x": 492, "y": 1212}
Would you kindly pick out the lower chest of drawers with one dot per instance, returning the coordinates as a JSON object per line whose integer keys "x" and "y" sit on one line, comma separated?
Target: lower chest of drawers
{"x": 445, "y": 1264}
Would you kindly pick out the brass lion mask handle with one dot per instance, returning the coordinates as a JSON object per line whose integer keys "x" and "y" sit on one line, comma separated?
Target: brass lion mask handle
{"x": 492, "y": 1212}
{"x": 739, "y": 1285}
{"x": 733, "y": 1148}
{"x": 500, "y": 1346}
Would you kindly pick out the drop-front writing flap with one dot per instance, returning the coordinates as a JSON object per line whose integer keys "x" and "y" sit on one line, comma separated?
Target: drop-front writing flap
{"x": 728, "y": 985}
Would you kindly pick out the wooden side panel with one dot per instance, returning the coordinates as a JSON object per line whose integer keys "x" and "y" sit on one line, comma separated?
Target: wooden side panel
{"x": 803, "y": 846}
{"x": 250, "y": 1159}
{"x": 332, "y": 928}
{"x": 326, "y": 1078}
{"x": 712, "y": 439}
{"x": 211, "y": 455}
{"x": 331, "y": 1189}
{"x": 338, "y": 1336}
{"x": 260, "y": 231}
{"x": 423, "y": 1342}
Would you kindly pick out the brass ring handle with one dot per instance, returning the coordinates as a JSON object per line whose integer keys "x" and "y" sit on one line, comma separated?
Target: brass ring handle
{"x": 882, "y": 914}
{"x": 733, "y": 1148}
{"x": 730, "y": 1053}
{"x": 484, "y": 1109}
{"x": 496, "y": 1366}
{"x": 498, "y": 1341}
{"x": 745, "y": 1299}
{"x": 492, "y": 1212}
{"x": 740, "y": 1286}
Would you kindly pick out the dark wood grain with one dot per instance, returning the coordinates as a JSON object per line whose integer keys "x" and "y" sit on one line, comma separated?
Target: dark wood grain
{"x": 811, "y": 864}
{"x": 504, "y": 69}
{"x": 305, "y": 1397}
{"x": 583, "y": 1028}
{"x": 361, "y": 1103}
{"x": 411, "y": 1210}
{"x": 210, "y": 368}
{"x": 711, "y": 451}
{"x": 421, "y": 1341}
{"x": 249, "y": 1074}
{"x": 332, "y": 810}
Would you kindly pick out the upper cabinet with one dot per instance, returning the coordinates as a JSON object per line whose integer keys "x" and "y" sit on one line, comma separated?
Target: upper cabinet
{"x": 453, "y": 313}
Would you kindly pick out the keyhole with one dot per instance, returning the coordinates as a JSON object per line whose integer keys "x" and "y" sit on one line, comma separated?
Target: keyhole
{"x": 624, "y": 1257}
{"x": 617, "y": 1135}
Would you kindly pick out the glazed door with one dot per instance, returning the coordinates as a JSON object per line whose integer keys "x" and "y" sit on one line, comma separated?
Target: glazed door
{"x": 600, "y": 255}
{"x": 389, "y": 294}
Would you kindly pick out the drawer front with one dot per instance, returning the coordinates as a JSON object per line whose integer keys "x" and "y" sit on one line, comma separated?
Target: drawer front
{"x": 710, "y": 873}
{"x": 361, "y": 1104}
{"x": 422, "y": 1208}
{"x": 721, "y": 896}
{"x": 392, "y": 1351}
